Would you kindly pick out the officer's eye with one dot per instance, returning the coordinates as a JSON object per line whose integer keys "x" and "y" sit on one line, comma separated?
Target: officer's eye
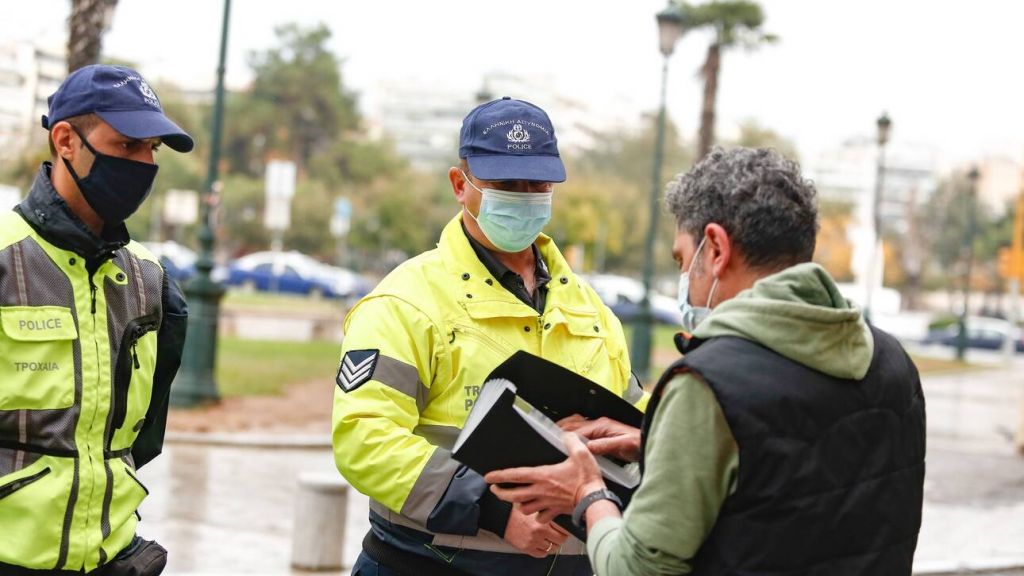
{"x": 132, "y": 146}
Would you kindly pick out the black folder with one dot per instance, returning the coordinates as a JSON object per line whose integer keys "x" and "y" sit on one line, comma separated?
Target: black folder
{"x": 560, "y": 392}
{"x": 512, "y": 422}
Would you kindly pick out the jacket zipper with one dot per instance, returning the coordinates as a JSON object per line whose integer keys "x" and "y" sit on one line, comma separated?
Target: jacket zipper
{"x": 127, "y": 358}
{"x": 92, "y": 292}
{"x": 12, "y": 487}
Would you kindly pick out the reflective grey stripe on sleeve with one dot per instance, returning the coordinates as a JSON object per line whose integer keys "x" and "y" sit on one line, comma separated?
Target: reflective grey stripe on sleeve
{"x": 443, "y": 436}
{"x": 634, "y": 392}
{"x": 430, "y": 486}
{"x": 402, "y": 377}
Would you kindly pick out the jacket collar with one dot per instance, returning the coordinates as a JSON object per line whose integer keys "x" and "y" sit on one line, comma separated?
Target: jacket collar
{"x": 462, "y": 263}
{"x": 50, "y": 216}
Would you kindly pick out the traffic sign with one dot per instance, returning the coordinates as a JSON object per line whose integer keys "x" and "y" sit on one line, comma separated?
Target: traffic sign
{"x": 181, "y": 207}
{"x": 341, "y": 219}
{"x": 280, "y": 187}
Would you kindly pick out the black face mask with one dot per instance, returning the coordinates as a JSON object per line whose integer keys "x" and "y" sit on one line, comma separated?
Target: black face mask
{"x": 114, "y": 187}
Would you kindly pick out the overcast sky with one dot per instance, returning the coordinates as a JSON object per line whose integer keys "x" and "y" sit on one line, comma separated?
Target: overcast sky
{"x": 948, "y": 73}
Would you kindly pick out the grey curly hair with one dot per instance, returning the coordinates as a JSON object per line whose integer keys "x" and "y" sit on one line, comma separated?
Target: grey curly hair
{"x": 758, "y": 196}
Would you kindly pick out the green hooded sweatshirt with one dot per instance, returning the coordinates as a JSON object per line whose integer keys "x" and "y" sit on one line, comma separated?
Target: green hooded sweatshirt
{"x": 692, "y": 458}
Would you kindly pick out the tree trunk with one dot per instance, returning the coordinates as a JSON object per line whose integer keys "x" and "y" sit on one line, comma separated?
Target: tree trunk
{"x": 707, "y": 115}
{"x": 86, "y": 25}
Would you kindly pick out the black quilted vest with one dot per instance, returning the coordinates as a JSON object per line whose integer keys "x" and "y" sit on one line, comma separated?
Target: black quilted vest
{"x": 831, "y": 471}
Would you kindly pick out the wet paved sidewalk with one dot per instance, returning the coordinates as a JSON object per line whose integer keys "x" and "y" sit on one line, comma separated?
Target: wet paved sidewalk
{"x": 228, "y": 510}
{"x": 225, "y": 510}
{"x": 974, "y": 485}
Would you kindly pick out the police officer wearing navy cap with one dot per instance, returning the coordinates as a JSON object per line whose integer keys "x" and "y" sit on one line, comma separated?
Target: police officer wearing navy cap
{"x": 418, "y": 348}
{"x": 91, "y": 334}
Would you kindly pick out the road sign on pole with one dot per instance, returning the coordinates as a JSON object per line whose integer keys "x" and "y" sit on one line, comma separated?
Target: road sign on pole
{"x": 341, "y": 219}
{"x": 181, "y": 207}
{"x": 280, "y": 187}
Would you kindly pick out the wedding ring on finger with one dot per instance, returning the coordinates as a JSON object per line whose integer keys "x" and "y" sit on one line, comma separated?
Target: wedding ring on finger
{"x": 550, "y": 546}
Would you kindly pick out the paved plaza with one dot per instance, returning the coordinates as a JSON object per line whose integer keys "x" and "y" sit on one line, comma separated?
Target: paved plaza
{"x": 225, "y": 508}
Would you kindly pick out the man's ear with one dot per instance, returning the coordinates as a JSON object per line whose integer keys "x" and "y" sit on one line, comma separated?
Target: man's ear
{"x": 63, "y": 137}
{"x": 458, "y": 182}
{"x": 719, "y": 246}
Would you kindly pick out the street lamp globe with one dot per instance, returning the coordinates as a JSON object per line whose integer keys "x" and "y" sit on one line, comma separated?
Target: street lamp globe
{"x": 670, "y": 29}
{"x": 884, "y": 124}
{"x": 484, "y": 94}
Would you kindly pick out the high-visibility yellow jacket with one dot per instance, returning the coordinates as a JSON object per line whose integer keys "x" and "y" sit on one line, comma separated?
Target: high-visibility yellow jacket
{"x": 83, "y": 397}
{"x": 415, "y": 354}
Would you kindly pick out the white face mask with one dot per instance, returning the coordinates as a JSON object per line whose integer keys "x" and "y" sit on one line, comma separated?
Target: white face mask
{"x": 693, "y": 315}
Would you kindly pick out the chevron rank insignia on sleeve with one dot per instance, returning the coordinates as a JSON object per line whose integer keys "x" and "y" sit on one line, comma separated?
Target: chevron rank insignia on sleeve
{"x": 356, "y": 368}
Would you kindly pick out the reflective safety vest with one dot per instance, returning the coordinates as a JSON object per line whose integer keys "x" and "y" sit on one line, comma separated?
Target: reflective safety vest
{"x": 416, "y": 351}
{"x": 77, "y": 361}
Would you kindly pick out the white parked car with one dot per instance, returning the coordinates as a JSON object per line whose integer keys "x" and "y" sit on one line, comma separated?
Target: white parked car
{"x": 623, "y": 295}
{"x": 179, "y": 261}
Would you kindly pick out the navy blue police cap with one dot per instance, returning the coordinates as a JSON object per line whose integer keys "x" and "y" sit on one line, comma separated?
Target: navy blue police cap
{"x": 510, "y": 139}
{"x": 122, "y": 98}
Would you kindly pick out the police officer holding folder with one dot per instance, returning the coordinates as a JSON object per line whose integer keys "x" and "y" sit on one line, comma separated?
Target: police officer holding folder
{"x": 418, "y": 348}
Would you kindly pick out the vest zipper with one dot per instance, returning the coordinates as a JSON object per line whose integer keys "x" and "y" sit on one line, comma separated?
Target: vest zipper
{"x": 89, "y": 465}
{"x": 89, "y": 462}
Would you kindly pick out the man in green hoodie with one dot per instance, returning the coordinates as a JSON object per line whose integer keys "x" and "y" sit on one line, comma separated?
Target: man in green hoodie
{"x": 789, "y": 439}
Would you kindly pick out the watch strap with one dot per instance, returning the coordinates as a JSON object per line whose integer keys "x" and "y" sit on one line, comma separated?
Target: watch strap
{"x": 586, "y": 501}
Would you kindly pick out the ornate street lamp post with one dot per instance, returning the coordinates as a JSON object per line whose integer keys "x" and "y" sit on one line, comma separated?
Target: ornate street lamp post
{"x": 972, "y": 193}
{"x": 195, "y": 383}
{"x": 670, "y": 29}
{"x": 884, "y": 124}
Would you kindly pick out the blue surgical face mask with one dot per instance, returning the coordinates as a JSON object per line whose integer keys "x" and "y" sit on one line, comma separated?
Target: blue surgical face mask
{"x": 693, "y": 315}
{"x": 511, "y": 221}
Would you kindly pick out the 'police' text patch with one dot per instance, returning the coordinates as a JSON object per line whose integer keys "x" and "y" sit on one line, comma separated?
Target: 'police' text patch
{"x": 356, "y": 368}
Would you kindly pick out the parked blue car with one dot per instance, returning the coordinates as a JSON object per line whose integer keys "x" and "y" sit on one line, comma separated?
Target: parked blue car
{"x": 294, "y": 273}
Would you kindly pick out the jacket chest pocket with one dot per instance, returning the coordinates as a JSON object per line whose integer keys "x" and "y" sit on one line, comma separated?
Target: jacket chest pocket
{"x": 37, "y": 363}
{"x": 576, "y": 338}
{"x": 132, "y": 381}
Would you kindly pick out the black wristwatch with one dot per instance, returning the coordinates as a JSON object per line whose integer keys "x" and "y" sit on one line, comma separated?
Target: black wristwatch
{"x": 586, "y": 501}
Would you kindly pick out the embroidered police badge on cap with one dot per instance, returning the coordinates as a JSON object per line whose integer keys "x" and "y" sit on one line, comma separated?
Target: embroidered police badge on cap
{"x": 356, "y": 368}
